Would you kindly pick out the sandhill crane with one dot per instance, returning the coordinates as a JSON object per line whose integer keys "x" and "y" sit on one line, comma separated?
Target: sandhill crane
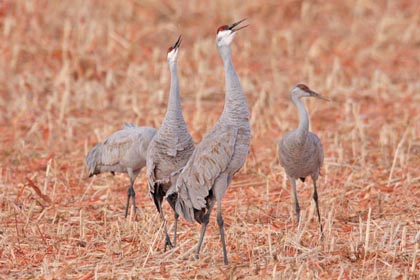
{"x": 172, "y": 146}
{"x": 221, "y": 153}
{"x": 124, "y": 151}
{"x": 300, "y": 151}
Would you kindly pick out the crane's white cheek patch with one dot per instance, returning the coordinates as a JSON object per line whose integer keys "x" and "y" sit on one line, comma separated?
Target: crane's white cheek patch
{"x": 172, "y": 55}
{"x": 225, "y": 37}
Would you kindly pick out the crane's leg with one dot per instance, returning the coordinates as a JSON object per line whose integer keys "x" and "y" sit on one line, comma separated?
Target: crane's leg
{"x": 315, "y": 196}
{"x": 131, "y": 194}
{"x": 175, "y": 227}
{"x": 204, "y": 224}
{"x": 219, "y": 189}
{"x": 222, "y": 230}
{"x": 167, "y": 239}
{"x": 297, "y": 207}
{"x": 172, "y": 201}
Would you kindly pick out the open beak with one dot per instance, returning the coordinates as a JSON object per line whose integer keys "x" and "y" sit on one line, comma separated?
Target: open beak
{"x": 178, "y": 42}
{"x": 317, "y": 95}
{"x": 233, "y": 25}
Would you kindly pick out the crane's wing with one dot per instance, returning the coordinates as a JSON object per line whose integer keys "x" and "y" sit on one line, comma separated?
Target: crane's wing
{"x": 318, "y": 148}
{"x": 106, "y": 156}
{"x": 283, "y": 148}
{"x": 151, "y": 160}
{"x": 209, "y": 160}
{"x": 281, "y": 152}
{"x": 124, "y": 148}
{"x": 152, "y": 164}
{"x": 166, "y": 145}
{"x": 118, "y": 145}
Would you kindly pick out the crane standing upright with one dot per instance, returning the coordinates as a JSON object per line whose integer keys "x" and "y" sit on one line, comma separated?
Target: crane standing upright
{"x": 300, "y": 151}
{"x": 172, "y": 146}
{"x": 221, "y": 153}
{"x": 123, "y": 151}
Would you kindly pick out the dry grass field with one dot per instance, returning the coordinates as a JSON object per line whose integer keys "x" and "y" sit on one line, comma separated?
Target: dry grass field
{"x": 72, "y": 72}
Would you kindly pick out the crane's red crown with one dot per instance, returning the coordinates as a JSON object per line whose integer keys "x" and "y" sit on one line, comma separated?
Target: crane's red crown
{"x": 221, "y": 28}
{"x": 170, "y": 49}
{"x": 303, "y": 87}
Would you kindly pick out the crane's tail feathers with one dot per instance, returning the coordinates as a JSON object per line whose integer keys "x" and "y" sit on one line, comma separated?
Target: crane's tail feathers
{"x": 93, "y": 158}
{"x": 171, "y": 191}
{"x": 182, "y": 204}
{"x": 185, "y": 210}
{"x": 188, "y": 201}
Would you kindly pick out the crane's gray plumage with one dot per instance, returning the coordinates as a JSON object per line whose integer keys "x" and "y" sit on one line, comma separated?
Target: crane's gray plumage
{"x": 171, "y": 148}
{"x": 300, "y": 151}
{"x": 124, "y": 151}
{"x": 221, "y": 153}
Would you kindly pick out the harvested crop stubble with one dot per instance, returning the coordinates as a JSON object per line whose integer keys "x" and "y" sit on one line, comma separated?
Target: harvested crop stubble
{"x": 72, "y": 72}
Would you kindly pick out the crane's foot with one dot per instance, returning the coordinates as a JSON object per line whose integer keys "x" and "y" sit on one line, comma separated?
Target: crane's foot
{"x": 174, "y": 242}
{"x": 322, "y": 233}
{"x": 297, "y": 216}
{"x": 135, "y": 213}
{"x": 168, "y": 243}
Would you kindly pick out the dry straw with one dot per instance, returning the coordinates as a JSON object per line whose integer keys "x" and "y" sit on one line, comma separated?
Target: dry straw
{"x": 72, "y": 72}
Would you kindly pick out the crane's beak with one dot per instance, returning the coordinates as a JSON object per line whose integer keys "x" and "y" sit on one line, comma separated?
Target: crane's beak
{"x": 178, "y": 42}
{"x": 317, "y": 95}
{"x": 233, "y": 25}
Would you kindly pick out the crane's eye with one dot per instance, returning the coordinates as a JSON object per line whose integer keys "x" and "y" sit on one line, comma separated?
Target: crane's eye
{"x": 221, "y": 28}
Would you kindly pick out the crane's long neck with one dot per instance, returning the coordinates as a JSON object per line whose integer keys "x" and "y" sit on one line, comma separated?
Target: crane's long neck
{"x": 303, "y": 129}
{"x": 174, "y": 110}
{"x": 236, "y": 107}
